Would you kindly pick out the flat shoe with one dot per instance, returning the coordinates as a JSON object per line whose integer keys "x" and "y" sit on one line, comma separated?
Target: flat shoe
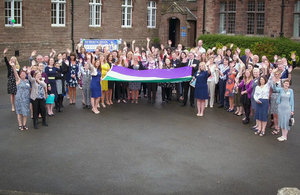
{"x": 281, "y": 139}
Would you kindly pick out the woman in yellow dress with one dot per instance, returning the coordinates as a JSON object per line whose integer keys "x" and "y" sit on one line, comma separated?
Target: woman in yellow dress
{"x": 104, "y": 84}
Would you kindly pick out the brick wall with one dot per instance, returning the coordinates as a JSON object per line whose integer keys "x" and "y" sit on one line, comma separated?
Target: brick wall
{"x": 272, "y": 17}
{"x": 36, "y": 31}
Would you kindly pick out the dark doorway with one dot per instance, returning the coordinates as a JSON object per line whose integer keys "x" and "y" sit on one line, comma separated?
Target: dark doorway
{"x": 174, "y": 30}
{"x": 192, "y": 34}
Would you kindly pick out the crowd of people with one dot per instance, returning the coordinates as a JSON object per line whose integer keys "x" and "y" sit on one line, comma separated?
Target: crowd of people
{"x": 245, "y": 85}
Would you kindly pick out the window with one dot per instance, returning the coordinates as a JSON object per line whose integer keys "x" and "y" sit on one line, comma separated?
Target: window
{"x": 58, "y": 12}
{"x": 151, "y": 17}
{"x": 227, "y": 17}
{"x": 256, "y": 17}
{"x": 13, "y": 13}
{"x": 297, "y": 20}
{"x": 126, "y": 13}
{"x": 95, "y": 13}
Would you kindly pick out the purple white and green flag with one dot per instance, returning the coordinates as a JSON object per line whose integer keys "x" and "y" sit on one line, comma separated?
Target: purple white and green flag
{"x": 119, "y": 73}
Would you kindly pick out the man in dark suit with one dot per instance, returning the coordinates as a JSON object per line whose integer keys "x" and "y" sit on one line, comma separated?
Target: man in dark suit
{"x": 186, "y": 85}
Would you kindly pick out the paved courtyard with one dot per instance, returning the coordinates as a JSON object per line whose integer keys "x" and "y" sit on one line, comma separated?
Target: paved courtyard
{"x": 145, "y": 149}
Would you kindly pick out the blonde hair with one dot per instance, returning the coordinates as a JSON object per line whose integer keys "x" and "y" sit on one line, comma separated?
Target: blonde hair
{"x": 16, "y": 62}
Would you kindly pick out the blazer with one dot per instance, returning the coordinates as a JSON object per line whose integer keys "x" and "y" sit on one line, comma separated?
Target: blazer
{"x": 195, "y": 69}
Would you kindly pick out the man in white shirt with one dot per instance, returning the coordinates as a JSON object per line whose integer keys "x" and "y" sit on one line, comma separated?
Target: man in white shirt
{"x": 200, "y": 48}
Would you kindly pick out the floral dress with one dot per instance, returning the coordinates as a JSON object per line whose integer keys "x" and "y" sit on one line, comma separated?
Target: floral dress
{"x": 73, "y": 70}
{"x": 22, "y": 100}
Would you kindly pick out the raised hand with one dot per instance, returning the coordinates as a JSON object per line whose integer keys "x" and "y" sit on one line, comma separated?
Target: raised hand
{"x": 290, "y": 69}
{"x": 169, "y": 42}
{"x": 148, "y": 39}
{"x": 5, "y": 51}
{"x": 231, "y": 45}
{"x": 68, "y": 51}
{"x": 33, "y": 53}
{"x": 293, "y": 56}
{"x": 133, "y": 42}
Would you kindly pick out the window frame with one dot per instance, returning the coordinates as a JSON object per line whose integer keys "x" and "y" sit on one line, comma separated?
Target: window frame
{"x": 93, "y": 6}
{"x": 153, "y": 11}
{"x": 227, "y": 13}
{"x": 12, "y": 13}
{"x": 57, "y": 6}
{"x": 256, "y": 13}
{"x": 296, "y": 13}
{"x": 126, "y": 6}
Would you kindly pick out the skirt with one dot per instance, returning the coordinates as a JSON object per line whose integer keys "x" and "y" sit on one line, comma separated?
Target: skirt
{"x": 50, "y": 99}
{"x": 104, "y": 85}
{"x": 261, "y": 112}
{"x": 134, "y": 85}
{"x": 274, "y": 105}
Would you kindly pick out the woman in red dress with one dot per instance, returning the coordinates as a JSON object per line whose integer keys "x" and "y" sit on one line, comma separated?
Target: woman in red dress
{"x": 230, "y": 86}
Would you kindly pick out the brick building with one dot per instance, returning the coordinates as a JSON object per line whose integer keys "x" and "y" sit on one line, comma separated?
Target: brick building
{"x": 44, "y": 24}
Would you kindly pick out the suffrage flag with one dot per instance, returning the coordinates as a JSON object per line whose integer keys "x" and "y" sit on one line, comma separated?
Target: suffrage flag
{"x": 119, "y": 73}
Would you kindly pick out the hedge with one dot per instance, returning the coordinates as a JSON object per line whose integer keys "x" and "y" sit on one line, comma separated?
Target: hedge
{"x": 260, "y": 46}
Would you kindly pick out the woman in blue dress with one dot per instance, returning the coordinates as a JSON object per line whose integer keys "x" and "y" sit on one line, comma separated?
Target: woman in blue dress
{"x": 285, "y": 103}
{"x": 201, "y": 88}
{"x": 95, "y": 86}
{"x": 22, "y": 99}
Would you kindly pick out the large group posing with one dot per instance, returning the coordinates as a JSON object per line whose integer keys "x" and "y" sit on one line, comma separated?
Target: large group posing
{"x": 245, "y": 85}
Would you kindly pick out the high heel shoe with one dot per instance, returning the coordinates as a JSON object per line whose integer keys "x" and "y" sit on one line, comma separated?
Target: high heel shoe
{"x": 103, "y": 105}
{"x": 257, "y": 132}
{"x": 95, "y": 111}
{"x": 262, "y": 134}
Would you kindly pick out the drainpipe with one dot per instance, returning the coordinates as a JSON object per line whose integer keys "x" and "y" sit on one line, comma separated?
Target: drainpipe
{"x": 282, "y": 14}
{"x": 72, "y": 24}
{"x": 203, "y": 18}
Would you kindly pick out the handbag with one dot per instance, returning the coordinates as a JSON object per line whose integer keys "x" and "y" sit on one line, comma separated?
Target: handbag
{"x": 292, "y": 121}
{"x": 193, "y": 83}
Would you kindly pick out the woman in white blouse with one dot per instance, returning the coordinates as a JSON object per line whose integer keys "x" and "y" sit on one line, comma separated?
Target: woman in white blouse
{"x": 261, "y": 96}
{"x": 211, "y": 81}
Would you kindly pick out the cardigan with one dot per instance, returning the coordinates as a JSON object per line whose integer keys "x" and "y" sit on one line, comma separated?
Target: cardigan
{"x": 35, "y": 87}
{"x": 280, "y": 90}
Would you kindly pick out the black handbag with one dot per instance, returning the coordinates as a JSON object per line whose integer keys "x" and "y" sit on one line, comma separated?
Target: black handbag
{"x": 291, "y": 121}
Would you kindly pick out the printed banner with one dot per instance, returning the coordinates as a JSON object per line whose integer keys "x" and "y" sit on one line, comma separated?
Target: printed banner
{"x": 119, "y": 73}
{"x": 91, "y": 44}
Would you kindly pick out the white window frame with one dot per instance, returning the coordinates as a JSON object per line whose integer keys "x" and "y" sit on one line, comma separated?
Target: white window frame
{"x": 152, "y": 9}
{"x": 93, "y": 6}
{"x": 127, "y": 6}
{"x": 57, "y": 4}
{"x": 12, "y": 12}
{"x": 296, "y": 20}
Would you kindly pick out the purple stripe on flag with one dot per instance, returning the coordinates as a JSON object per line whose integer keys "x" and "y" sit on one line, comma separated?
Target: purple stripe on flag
{"x": 160, "y": 73}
